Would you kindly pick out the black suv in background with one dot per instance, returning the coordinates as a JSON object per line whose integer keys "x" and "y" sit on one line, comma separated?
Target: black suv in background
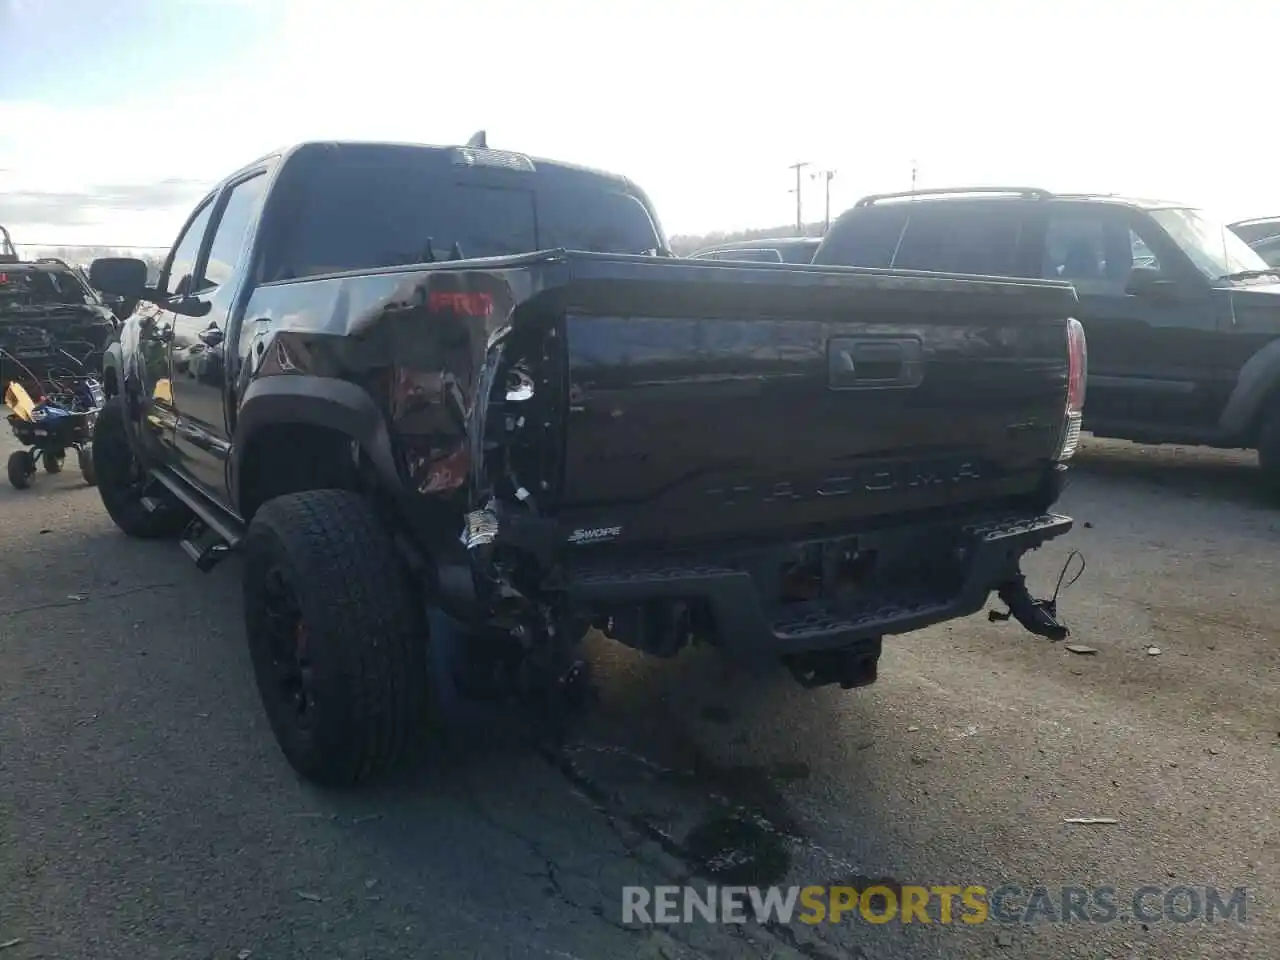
{"x": 767, "y": 250}
{"x": 1182, "y": 317}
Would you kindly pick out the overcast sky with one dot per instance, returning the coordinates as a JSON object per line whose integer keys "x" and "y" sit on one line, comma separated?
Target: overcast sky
{"x": 114, "y": 116}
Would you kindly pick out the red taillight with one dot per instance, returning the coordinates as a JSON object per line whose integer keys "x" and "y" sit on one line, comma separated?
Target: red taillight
{"x": 462, "y": 303}
{"x": 1078, "y": 367}
{"x": 1077, "y": 377}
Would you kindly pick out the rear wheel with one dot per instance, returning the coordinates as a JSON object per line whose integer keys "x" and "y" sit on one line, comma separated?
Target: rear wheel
{"x": 337, "y": 636}
{"x": 51, "y": 460}
{"x": 22, "y": 469}
{"x": 121, "y": 481}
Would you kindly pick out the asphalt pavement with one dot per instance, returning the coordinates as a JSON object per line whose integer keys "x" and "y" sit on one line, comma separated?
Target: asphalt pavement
{"x": 145, "y": 810}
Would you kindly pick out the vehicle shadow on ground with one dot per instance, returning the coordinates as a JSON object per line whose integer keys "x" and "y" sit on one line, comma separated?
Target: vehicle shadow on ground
{"x": 44, "y": 484}
{"x": 1189, "y": 471}
{"x": 682, "y": 770}
{"x": 677, "y": 774}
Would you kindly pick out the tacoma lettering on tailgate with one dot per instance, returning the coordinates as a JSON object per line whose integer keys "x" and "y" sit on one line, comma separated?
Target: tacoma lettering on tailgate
{"x": 872, "y": 480}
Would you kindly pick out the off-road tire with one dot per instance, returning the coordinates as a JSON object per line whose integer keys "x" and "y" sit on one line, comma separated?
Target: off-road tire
{"x": 1269, "y": 450}
{"x": 85, "y": 458}
{"x": 366, "y": 637}
{"x": 22, "y": 469}
{"x": 52, "y": 462}
{"x": 114, "y": 468}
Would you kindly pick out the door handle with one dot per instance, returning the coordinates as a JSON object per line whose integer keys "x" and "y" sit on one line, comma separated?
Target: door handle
{"x": 873, "y": 363}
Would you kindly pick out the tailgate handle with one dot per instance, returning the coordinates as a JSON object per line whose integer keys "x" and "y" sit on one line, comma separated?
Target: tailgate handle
{"x": 874, "y": 363}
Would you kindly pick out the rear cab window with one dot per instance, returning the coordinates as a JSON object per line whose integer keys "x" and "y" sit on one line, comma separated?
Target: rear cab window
{"x": 363, "y": 207}
{"x": 959, "y": 237}
{"x": 1269, "y": 250}
{"x": 798, "y": 252}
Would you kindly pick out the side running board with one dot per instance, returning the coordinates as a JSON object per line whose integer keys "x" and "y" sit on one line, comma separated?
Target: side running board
{"x": 212, "y": 534}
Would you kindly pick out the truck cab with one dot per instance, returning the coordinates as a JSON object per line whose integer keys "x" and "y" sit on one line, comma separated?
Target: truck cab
{"x": 454, "y": 406}
{"x": 322, "y": 208}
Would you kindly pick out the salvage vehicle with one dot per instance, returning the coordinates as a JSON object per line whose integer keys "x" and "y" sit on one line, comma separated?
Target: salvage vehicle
{"x": 771, "y": 250}
{"x": 1183, "y": 318}
{"x": 457, "y": 406}
{"x": 53, "y": 331}
{"x": 48, "y": 313}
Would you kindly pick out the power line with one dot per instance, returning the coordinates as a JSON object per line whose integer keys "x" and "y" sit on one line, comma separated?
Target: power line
{"x": 826, "y": 176}
{"x": 797, "y": 167}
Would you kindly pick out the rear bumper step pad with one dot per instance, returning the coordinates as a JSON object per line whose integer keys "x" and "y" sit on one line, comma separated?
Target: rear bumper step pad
{"x": 744, "y": 622}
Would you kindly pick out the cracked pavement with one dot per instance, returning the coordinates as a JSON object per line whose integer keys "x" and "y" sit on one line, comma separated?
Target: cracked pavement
{"x": 146, "y": 812}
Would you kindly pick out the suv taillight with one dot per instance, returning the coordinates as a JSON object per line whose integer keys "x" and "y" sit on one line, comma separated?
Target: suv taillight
{"x": 1077, "y": 376}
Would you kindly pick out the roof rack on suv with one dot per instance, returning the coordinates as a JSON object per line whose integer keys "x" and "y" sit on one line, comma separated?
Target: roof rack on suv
{"x": 1029, "y": 193}
{"x": 8, "y": 253}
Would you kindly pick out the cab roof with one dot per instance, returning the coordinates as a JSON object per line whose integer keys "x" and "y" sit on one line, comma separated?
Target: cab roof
{"x": 539, "y": 163}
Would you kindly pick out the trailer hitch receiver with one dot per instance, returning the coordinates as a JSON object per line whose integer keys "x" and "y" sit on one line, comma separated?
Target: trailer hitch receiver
{"x": 1039, "y": 617}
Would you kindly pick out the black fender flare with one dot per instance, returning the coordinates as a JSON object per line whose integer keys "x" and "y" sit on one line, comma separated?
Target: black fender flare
{"x": 316, "y": 401}
{"x": 1257, "y": 380}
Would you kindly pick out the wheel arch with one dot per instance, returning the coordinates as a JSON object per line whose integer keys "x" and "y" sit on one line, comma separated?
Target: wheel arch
{"x": 1257, "y": 387}
{"x": 296, "y": 433}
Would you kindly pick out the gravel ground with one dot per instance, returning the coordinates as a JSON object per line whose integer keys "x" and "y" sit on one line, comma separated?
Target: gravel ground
{"x": 146, "y": 812}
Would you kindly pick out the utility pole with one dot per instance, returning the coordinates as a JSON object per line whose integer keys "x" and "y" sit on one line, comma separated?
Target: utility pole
{"x": 826, "y": 176}
{"x": 914, "y": 171}
{"x": 797, "y": 167}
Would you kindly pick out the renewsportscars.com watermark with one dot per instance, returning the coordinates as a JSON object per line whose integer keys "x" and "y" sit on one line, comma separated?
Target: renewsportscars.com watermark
{"x": 1008, "y": 903}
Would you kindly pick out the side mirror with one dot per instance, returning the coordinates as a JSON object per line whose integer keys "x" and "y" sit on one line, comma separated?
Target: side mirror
{"x": 123, "y": 277}
{"x": 1150, "y": 282}
{"x": 211, "y": 336}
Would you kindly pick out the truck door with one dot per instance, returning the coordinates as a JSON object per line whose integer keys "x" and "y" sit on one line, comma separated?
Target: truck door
{"x": 199, "y": 383}
{"x": 155, "y": 331}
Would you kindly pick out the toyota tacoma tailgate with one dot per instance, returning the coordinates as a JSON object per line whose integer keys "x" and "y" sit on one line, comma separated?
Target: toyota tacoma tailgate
{"x": 710, "y": 402}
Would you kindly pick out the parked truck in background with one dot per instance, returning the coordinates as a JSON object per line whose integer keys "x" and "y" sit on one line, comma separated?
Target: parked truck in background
{"x": 456, "y": 406}
{"x": 1183, "y": 318}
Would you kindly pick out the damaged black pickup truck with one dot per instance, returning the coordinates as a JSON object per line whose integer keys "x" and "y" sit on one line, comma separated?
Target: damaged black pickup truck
{"x": 457, "y": 406}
